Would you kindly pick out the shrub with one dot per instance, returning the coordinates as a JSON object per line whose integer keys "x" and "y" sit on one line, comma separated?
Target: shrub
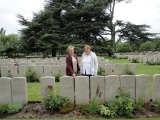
{"x": 53, "y": 102}
{"x": 3, "y": 109}
{"x": 146, "y": 46}
{"x": 157, "y": 106}
{"x": 9, "y": 74}
{"x": 135, "y": 60}
{"x": 94, "y": 105}
{"x": 14, "y": 108}
{"x": 57, "y": 76}
{"x": 127, "y": 70}
{"x": 101, "y": 72}
{"x": 31, "y": 75}
{"x": 125, "y": 105}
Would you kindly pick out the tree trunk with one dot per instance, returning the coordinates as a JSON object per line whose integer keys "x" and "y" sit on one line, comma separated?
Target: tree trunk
{"x": 53, "y": 52}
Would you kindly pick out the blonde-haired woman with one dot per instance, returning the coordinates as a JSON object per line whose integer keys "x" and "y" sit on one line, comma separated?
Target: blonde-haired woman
{"x": 72, "y": 65}
{"x": 89, "y": 63}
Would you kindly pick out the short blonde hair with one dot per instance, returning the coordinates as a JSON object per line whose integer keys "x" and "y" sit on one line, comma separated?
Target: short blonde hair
{"x": 70, "y": 47}
{"x": 86, "y": 47}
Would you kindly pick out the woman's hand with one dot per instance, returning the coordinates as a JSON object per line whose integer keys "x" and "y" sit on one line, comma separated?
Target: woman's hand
{"x": 73, "y": 75}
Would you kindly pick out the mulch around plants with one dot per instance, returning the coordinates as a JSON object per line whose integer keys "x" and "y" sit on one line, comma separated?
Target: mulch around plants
{"x": 29, "y": 111}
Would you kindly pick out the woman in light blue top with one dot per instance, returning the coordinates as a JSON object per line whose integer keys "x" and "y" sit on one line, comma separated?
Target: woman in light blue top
{"x": 89, "y": 63}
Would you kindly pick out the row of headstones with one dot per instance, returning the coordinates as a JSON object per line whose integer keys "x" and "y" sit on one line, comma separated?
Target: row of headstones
{"x": 41, "y": 71}
{"x": 139, "y": 53}
{"x": 142, "y": 58}
{"x": 81, "y": 90}
{"x": 13, "y": 90}
{"x": 39, "y": 60}
{"x": 52, "y": 70}
{"x": 120, "y": 69}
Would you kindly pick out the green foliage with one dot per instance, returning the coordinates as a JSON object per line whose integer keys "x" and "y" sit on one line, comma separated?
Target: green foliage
{"x": 146, "y": 46}
{"x": 140, "y": 101}
{"x": 101, "y": 72}
{"x": 31, "y": 75}
{"x": 57, "y": 76}
{"x": 124, "y": 103}
{"x": 3, "y": 109}
{"x": 104, "y": 111}
{"x": 152, "y": 63}
{"x": 14, "y": 108}
{"x": 94, "y": 105}
{"x": 112, "y": 107}
{"x": 9, "y": 74}
{"x": 127, "y": 70}
{"x": 67, "y": 109}
{"x": 157, "y": 45}
{"x": 123, "y": 48}
{"x": 157, "y": 106}
{"x": 135, "y": 60}
{"x": 54, "y": 102}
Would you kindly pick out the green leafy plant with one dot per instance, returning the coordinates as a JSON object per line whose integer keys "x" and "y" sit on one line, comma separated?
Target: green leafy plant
{"x": 140, "y": 101}
{"x": 9, "y": 74}
{"x": 157, "y": 106}
{"x": 112, "y": 107}
{"x": 104, "y": 111}
{"x": 54, "y": 102}
{"x": 31, "y": 75}
{"x": 14, "y": 107}
{"x": 57, "y": 76}
{"x": 94, "y": 105}
{"x": 101, "y": 72}
{"x": 3, "y": 109}
{"x": 124, "y": 103}
{"x": 127, "y": 70}
{"x": 135, "y": 60}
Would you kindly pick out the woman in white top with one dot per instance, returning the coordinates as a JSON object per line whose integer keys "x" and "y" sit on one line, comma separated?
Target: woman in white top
{"x": 89, "y": 63}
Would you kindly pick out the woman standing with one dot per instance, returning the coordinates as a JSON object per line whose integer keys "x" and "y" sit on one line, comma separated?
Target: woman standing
{"x": 72, "y": 65}
{"x": 89, "y": 64}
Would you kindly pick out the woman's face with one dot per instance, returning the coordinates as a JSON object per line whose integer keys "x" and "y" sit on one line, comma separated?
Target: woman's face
{"x": 87, "y": 51}
{"x": 71, "y": 51}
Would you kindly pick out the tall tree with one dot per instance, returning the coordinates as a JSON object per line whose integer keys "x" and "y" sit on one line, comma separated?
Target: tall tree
{"x": 65, "y": 22}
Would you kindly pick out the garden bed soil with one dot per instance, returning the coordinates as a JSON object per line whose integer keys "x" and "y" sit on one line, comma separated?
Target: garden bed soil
{"x": 29, "y": 112}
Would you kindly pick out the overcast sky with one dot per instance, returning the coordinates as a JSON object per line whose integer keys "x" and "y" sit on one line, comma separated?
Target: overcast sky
{"x": 137, "y": 12}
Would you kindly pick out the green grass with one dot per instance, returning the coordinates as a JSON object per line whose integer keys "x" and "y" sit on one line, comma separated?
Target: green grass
{"x": 34, "y": 92}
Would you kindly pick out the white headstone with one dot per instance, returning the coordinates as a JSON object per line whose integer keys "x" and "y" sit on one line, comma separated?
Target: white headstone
{"x": 82, "y": 90}
{"x": 45, "y": 83}
{"x": 128, "y": 83}
{"x": 5, "y": 91}
{"x": 47, "y": 70}
{"x": 108, "y": 69}
{"x": 4, "y": 71}
{"x": 95, "y": 82}
{"x": 19, "y": 90}
{"x": 143, "y": 87}
{"x": 39, "y": 71}
{"x": 22, "y": 71}
{"x": 14, "y": 71}
{"x": 117, "y": 68}
{"x": 67, "y": 87}
{"x": 156, "y": 88}
{"x": 112, "y": 85}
